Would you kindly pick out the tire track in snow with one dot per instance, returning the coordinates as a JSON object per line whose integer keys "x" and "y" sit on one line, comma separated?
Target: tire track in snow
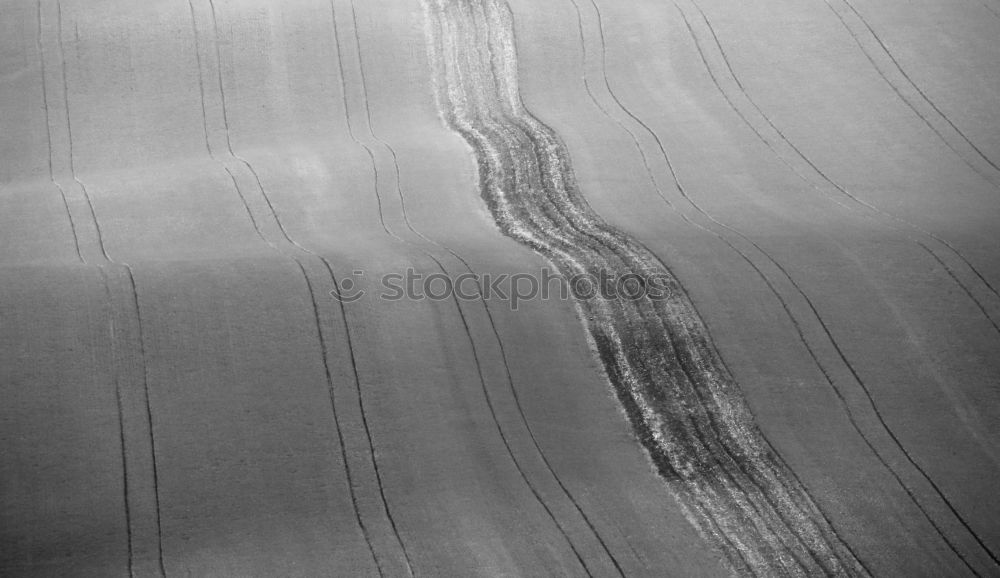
{"x": 331, "y": 393}
{"x": 315, "y": 270}
{"x": 48, "y": 134}
{"x": 813, "y": 175}
{"x": 937, "y": 495}
{"x": 570, "y": 225}
{"x": 951, "y": 273}
{"x": 478, "y": 41}
{"x": 703, "y": 214}
{"x": 680, "y": 399}
{"x": 140, "y": 483}
{"x": 811, "y": 312}
{"x": 974, "y": 281}
{"x": 486, "y": 351}
{"x": 903, "y": 85}
{"x": 481, "y": 299}
{"x": 643, "y": 127}
{"x": 993, "y": 10}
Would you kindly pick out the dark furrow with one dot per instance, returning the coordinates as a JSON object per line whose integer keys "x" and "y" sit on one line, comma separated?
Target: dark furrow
{"x": 618, "y": 102}
{"x": 812, "y": 307}
{"x": 653, "y": 181}
{"x": 967, "y": 292}
{"x": 850, "y": 415}
{"x": 350, "y": 130}
{"x": 897, "y": 442}
{"x": 688, "y": 220}
{"x": 48, "y": 133}
{"x": 482, "y": 380}
{"x": 531, "y": 433}
{"x": 378, "y": 198}
{"x": 69, "y": 132}
{"x": 506, "y": 442}
{"x": 149, "y": 418}
{"x": 994, "y": 11}
{"x": 947, "y": 502}
{"x": 218, "y": 61}
{"x": 333, "y": 409}
{"x": 229, "y": 144}
{"x": 837, "y": 186}
{"x": 856, "y": 426}
{"x": 119, "y": 406}
{"x": 516, "y": 170}
{"x": 514, "y": 395}
{"x": 273, "y": 245}
{"x": 665, "y": 372}
{"x": 787, "y": 275}
{"x": 763, "y": 115}
{"x": 357, "y": 384}
{"x": 736, "y": 109}
{"x": 919, "y": 90}
{"x": 858, "y": 429}
{"x": 729, "y": 456}
{"x": 135, "y": 304}
{"x": 931, "y": 235}
{"x": 378, "y": 473}
{"x": 381, "y": 484}
{"x": 246, "y": 207}
{"x": 201, "y": 80}
{"x": 808, "y": 161}
{"x": 909, "y": 103}
{"x": 826, "y": 375}
{"x": 732, "y": 105}
{"x": 974, "y": 270}
{"x": 482, "y": 300}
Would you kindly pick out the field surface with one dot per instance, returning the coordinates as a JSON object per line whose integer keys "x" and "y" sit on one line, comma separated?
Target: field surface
{"x": 201, "y": 374}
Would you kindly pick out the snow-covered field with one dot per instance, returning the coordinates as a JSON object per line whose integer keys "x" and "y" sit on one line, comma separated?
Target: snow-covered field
{"x": 815, "y": 185}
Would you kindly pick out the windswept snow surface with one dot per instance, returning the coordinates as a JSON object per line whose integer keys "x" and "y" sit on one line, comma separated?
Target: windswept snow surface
{"x": 184, "y": 182}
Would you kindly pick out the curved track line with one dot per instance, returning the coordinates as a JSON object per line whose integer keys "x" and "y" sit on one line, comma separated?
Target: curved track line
{"x": 357, "y": 385}
{"x": 333, "y": 407}
{"x": 895, "y": 220}
{"x": 840, "y": 353}
{"x": 482, "y": 300}
{"x": 795, "y": 322}
{"x": 994, "y": 11}
{"x": 273, "y": 214}
{"x": 120, "y": 407}
{"x": 48, "y": 133}
{"x": 900, "y": 220}
{"x": 811, "y": 164}
{"x": 104, "y": 263}
{"x": 295, "y": 246}
{"x": 951, "y": 274}
{"x": 654, "y": 182}
{"x": 987, "y": 4}
{"x": 149, "y": 416}
{"x": 665, "y": 372}
{"x": 683, "y": 192}
{"x": 571, "y": 225}
{"x": 992, "y": 177}
{"x": 462, "y": 314}
{"x": 378, "y": 197}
